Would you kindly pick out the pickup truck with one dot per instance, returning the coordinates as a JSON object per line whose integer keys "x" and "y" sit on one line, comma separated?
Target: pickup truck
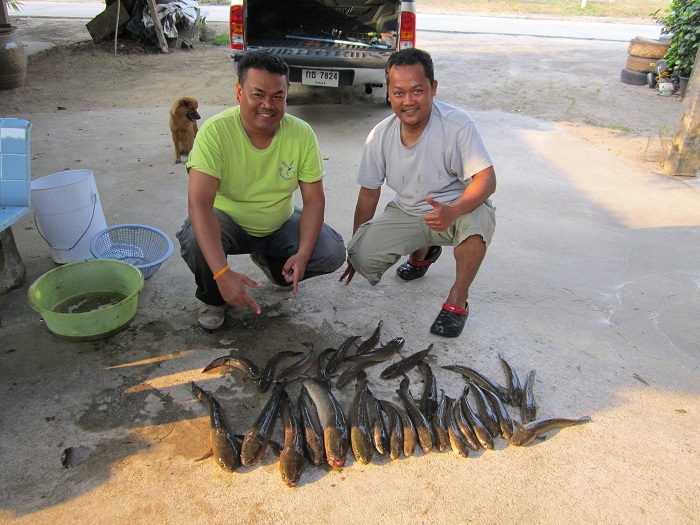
{"x": 325, "y": 42}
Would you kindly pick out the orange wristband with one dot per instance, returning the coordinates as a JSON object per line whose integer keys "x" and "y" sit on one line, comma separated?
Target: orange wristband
{"x": 221, "y": 272}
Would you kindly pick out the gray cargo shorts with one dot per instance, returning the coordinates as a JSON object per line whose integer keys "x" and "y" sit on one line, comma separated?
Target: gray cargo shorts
{"x": 379, "y": 243}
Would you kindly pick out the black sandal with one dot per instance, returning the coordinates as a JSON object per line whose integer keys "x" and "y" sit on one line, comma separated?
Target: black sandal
{"x": 451, "y": 320}
{"x": 413, "y": 269}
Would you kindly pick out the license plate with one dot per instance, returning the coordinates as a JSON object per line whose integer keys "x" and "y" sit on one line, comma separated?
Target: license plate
{"x": 320, "y": 77}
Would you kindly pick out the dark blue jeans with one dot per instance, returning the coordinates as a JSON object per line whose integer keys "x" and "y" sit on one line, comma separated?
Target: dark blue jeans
{"x": 327, "y": 257}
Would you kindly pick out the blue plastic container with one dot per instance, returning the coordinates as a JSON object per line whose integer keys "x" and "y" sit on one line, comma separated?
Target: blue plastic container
{"x": 142, "y": 246}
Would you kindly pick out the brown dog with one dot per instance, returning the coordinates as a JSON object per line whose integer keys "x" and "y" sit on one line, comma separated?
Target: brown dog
{"x": 183, "y": 125}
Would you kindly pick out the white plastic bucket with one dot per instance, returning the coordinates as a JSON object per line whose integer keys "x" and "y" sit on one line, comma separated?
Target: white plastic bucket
{"x": 68, "y": 213}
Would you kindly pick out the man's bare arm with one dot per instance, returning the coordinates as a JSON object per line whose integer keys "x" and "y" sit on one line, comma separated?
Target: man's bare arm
{"x": 200, "y": 203}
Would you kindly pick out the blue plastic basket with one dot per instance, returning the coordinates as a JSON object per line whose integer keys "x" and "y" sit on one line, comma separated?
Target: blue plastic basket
{"x": 143, "y": 246}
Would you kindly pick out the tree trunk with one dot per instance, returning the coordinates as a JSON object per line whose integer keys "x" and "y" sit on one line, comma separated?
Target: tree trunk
{"x": 684, "y": 158}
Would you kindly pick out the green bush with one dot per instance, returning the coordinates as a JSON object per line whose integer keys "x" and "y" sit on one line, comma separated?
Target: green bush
{"x": 682, "y": 22}
{"x": 221, "y": 39}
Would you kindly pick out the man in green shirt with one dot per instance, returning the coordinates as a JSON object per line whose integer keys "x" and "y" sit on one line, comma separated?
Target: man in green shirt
{"x": 244, "y": 168}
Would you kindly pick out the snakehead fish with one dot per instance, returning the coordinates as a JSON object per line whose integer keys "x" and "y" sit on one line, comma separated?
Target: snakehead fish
{"x": 480, "y": 430}
{"x": 320, "y": 368}
{"x": 313, "y": 432}
{"x": 422, "y": 425}
{"x": 458, "y": 442}
{"x": 464, "y": 425}
{"x": 371, "y": 341}
{"x": 530, "y": 431}
{"x": 528, "y": 408}
{"x": 396, "y": 432}
{"x": 380, "y": 432}
{"x": 380, "y": 354}
{"x": 257, "y": 437}
{"x": 332, "y": 419}
{"x": 224, "y": 446}
{"x": 405, "y": 364}
{"x": 292, "y": 453}
{"x": 250, "y": 369}
{"x": 370, "y": 358}
{"x": 515, "y": 389}
{"x": 486, "y": 411}
{"x": 442, "y": 439}
{"x": 351, "y": 373}
{"x": 299, "y": 368}
{"x": 479, "y": 379}
{"x": 409, "y": 431}
{"x": 360, "y": 428}
{"x": 268, "y": 373}
{"x": 335, "y": 359}
{"x": 505, "y": 423}
{"x": 428, "y": 401}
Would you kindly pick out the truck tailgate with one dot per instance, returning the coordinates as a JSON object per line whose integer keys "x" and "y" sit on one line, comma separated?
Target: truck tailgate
{"x": 328, "y": 56}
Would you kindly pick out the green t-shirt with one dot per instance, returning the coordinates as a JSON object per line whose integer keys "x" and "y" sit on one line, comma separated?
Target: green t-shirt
{"x": 256, "y": 187}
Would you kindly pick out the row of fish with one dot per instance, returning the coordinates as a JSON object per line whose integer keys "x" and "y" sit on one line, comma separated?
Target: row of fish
{"x": 319, "y": 429}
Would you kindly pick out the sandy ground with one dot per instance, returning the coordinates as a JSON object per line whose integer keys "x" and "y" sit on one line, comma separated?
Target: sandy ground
{"x": 592, "y": 281}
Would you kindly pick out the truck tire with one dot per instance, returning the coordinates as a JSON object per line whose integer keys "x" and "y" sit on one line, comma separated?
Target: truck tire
{"x": 641, "y": 64}
{"x": 648, "y": 48}
{"x": 634, "y": 78}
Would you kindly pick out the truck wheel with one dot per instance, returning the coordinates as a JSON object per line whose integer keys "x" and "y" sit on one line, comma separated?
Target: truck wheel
{"x": 635, "y": 78}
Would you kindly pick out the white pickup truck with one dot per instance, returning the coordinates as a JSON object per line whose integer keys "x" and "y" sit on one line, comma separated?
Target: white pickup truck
{"x": 325, "y": 42}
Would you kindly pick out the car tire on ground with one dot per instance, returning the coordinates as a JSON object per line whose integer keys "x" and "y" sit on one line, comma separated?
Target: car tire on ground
{"x": 648, "y": 48}
{"x": 641, "y": 64}
{"x": 635, "y": 78}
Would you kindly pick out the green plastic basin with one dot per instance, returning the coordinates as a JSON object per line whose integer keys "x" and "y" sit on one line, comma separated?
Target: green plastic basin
{"x": 87, "y": 300}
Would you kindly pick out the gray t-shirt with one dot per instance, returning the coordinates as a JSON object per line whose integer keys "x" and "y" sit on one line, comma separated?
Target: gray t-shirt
{"x": 440, "y": 165}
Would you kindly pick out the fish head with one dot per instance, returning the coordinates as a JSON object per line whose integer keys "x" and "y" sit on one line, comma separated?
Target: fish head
{"x": 225, "y": 464}
{"x": 336, "y": 443}
{"x": 291, "y": 469}
{"x": 253, "y": 448}
{"x": 521, "y": 437}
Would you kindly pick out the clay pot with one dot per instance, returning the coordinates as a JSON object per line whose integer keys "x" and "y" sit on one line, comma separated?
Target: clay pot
{"x": 13, "y": 60}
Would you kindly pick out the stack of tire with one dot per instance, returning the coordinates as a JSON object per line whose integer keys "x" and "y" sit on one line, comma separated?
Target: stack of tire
{"x": 644, "y": 61}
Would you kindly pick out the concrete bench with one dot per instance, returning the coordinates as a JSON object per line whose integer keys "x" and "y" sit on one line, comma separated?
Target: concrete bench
{"x": 15, "y": 196}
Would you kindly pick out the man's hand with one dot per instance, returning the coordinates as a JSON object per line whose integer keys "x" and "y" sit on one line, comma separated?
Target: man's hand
{"x": 349, "y": 273}
{"x": 293, "y": 270}
{"x": 232, "y": 288}
{"x": 440, "y": 218}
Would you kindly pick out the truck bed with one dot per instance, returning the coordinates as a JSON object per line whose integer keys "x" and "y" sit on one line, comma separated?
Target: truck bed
{"x": 325, "y": 42}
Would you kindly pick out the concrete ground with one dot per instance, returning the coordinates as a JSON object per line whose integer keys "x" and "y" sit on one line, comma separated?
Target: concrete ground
{"x": 592, "y": 280}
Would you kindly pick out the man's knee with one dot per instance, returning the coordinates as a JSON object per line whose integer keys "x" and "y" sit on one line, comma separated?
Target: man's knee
{"x": 366, "y": 267}
{"x": 337, "y": 258}
{"x": 329, "y": 254}
{"x": 189, "y": 247}
{"x": 356, "y": 261}
{"x": 476, "y": 239}
{"x": 332, "y": 259}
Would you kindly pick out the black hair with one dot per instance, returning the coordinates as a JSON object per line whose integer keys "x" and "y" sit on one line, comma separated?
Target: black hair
{"x": 262, "y": 60}
{"x": 409, "y": 57}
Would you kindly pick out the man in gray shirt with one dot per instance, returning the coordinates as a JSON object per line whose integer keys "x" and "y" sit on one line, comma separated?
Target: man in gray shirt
{"x": 432, "y": 156}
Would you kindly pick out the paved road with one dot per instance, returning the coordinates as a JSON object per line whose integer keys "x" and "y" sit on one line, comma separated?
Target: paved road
{"x": 443, "y": 23}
